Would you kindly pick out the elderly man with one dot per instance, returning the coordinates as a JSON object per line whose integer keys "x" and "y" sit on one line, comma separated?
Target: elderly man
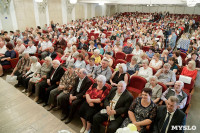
{"x": 103, "y": 69}
{"x": 75, "y": 97}
{"x": 31, "y": 49}
{"x": 61, "y": 43}
{"x": 45, "y": 45}
{"x": 178, "y": 92}
{"x": 53, "y": 77}
{"x": 103, "y": 38}
{"x": 22, "y": 67}
{"x": 120, "y": 100}
{"x": 52, "y": 53}
{"x": 82, "y": 44}
{"x": 168, "y": 116}
{"x": 128, "y": 48}
{"x": 118, "y": 40}
{"x": 165, "y": 75}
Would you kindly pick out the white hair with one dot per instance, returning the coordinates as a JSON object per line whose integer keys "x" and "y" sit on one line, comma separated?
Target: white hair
{"x": 48, "y": 59}
{"x": 101, "y": 78}
{"x": 19, "y": 40}
{"x": 123, "y": 83}
{"x": 97, "y": 51}
{"x": 57, "y": 62}
{"x": 124, "y": 67}
{"x": 182, "y": 84}
{"x": 153, "y": 77}
{"x": 34, "y": 59}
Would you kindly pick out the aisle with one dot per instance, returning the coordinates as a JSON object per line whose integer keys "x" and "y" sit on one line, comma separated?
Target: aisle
{"x": 19, "y": 114}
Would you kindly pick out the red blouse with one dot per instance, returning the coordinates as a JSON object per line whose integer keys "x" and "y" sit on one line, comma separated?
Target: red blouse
{"x": 95, "y": 93}
{"x": 192, "y": 74}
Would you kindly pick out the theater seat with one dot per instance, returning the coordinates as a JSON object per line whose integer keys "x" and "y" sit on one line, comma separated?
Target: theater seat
{"x": 118, "y": 61}
{"x": 120, "y": 55}
{"x": 129, "y": 57}
{"x": 13, "y": 62}
{"x": 136, "y": 85}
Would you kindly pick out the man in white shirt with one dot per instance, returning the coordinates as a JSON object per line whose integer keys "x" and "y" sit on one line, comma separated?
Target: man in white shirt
{"x": 31, "y": 49}
{"x": 45, "y": 45}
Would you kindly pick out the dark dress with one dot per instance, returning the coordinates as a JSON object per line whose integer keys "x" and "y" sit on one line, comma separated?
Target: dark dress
{"x": 118, "y": 78}
{"x": 11, "y": 54}
{"x": 87, "y": 112}
{"x": 141, "y": 113}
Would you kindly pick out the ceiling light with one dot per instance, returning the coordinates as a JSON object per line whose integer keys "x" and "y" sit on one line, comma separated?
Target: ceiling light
{"x": 38, "y": 0}
{"x": 191, "y": 3}
{"x": 73, "y": 1}
{"x": 101, "y": 3}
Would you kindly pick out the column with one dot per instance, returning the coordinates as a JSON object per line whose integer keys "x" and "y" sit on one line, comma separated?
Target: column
{"x": 85, "y": 7}
{"x": 13, "y": 15}
{"x": 70, "y": 10}
{"x": 36, "y": 12}
{"x": 64, "y": 11}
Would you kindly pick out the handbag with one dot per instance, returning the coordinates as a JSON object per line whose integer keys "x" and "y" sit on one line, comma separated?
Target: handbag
{"x": 11, "y": 79}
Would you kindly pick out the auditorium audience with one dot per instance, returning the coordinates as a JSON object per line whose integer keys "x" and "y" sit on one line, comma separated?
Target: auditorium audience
{"x": 132, "y": 67}
{"x": 173, "y": 62}
{"x": 156, "y": 63}
{"x": 31, "y": 49}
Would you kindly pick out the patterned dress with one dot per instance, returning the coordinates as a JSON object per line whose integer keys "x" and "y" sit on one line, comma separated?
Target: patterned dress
{"x": 141, "y": 113}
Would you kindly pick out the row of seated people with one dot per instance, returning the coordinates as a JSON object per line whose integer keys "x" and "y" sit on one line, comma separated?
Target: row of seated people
{"x": 56, "y": 87}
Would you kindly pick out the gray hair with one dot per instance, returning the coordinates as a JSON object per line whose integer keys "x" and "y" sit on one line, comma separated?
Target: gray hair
{"x": 101, "y": 78}
{"x": 57, "y": 62}
{"x": 123, "y": 83}
{"x": 167, "y": 64}
{"x": 19, "y": 40}
{"x": 24, "y": 53}
{"x": 34, "y": 59}
{"x": 48, "y": 59}
{"x": 84, "y": 71}
{"x": 182, "y": 84}
{"x": 124, "y": 67}
{"x": 146, "y": 62}
{"x": 153, "y": 77}
{"x": 97, "y": 51}
{"x": 134, "y": 58}
{"x": 173, "y": 99}
{"x": 52, "y": 48}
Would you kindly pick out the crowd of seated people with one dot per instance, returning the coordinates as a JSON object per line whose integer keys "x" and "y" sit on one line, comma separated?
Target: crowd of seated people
{"x": 74, "y": 65}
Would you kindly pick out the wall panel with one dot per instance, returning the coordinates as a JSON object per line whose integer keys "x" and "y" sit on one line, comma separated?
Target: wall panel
{"x": 6, "y": 20}
{"x": 79, "y": 11}
{"x": 55, "y": 11}
{"x": 98, "y": 10}
{"x": 189, "y": 10}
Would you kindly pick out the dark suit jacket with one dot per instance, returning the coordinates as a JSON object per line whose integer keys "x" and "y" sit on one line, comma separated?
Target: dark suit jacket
{"x": 122, "y": 104}
{"x": 84, "y": 87}
{"x": 53, "y": 55}
{"x": 179, "y": 118}
{"x": 57, "y": 75}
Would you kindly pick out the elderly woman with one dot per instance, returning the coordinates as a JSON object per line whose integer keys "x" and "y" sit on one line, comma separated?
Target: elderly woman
{"x": 133, "y": 67}
{"x": 142, "y": 111}
{"x": 190, "y": 70}
{"x": 69, "y": 58}
{"x": 94, "y": 95}
{"x": 145, "y": 71}
{"x": 155, "y": 62}
{"x": 35, "y": 67}
{"x": 137, "y": 51}
{"x": 40, "y": 75}
{"x": 164, "y": 56}
{"x": 96, "y": 56}
{"x": 173, "y": 62}
{"x": 119, "y": 75}
{"x": 117, "y": 47}
{"x": 156, "y": 89}
{"x": 4, "y": 59}
{"x": 80, "y": 63}
{"x": 19, "y": 47}
{"x": 142, "y": 57}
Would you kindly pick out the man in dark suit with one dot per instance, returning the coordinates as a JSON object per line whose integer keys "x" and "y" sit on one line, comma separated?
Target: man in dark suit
{"x": 75, "y": 97}
{"x": 121, "y": 100}
{"x": 61, "y": 43}
{"x": 53, "y": 77}
{"x": 169, "y": 116}
{"x": 52, "y": 53}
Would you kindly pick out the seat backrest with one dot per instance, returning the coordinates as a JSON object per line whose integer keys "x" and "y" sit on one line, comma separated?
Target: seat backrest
{"x": 164, "y": 87}
{"x": 120, "y": 55}
{"x": 137, "y": 82}
{"x": 92, "y": 80}
{"x": 129, "y": 57}
{"x": 118, "y": 61}
{"x": 108, "y": 86}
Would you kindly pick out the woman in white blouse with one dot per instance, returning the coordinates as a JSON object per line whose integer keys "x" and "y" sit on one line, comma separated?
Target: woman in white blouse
{"x": 145, "y": 71}
{"x": 155, "y": 62}
{"x": 35, "y": 67}
{"x": 137, "y": 51}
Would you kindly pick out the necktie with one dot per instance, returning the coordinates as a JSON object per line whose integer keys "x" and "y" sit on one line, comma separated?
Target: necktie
{"x": 165, "y": 124}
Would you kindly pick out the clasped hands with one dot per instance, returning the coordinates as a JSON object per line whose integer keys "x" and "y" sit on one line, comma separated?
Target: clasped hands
{"x": 110, "y": 111}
